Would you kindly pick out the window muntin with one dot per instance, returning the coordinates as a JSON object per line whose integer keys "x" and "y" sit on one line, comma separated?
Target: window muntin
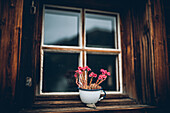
{"x": 86, "y": 52}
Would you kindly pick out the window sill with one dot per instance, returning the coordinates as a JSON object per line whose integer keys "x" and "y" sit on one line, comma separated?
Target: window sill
{"x": 69, "y": 104}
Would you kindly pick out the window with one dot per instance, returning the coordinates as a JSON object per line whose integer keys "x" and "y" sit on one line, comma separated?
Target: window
{"x": 75, "y": 37}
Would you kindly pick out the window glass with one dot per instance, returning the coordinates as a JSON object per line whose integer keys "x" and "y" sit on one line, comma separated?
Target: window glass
{"x": 61, "y": 27}
{"x": 106, "y": 62}
{"x": 100, "y": 30}
{"x": 58, "y": 71}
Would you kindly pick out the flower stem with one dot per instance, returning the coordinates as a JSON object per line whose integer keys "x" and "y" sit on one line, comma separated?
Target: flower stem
{"x": 87, "y": 78}
{"x": 84, "y": 79}
{"x": 91, "y": 80}
{"x": 97, "y": 81}
{"x": 101, "y": 81}
{"x": 77, "y": 81}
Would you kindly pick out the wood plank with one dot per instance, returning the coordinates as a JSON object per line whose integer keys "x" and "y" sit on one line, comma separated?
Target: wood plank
{"x": 162, "y": 83}
{"x": 10, "y": 46}
{"x": 127, "y": 54}
{"x": 78, "y": 101}
{"x": 45, "y": 102}
{"x": 76, "y": 97}
{"x": 144, "y": 51}
{"x": 143, "y": 54}
{"x": 86, "y": 109}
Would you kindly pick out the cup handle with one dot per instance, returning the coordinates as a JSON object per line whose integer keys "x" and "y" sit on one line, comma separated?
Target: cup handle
{"x": 103, "y": 96}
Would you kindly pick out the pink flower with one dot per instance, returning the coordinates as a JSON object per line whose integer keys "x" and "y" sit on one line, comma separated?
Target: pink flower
{"x": 95, "y": 75}
{"x": 88, "y": 69}
{"x": 78, "y": 71}
{"x": 105, "y": 71}
{"x": 102, "y": 70}
{"x": 91, "y": 74}
{"x": 108, "y": 73}
{"x": 84, "y": 68}
{"x": 104, "y": 76}
{"x": 100, "y": 77}
{"x": 79, "y": 67}
{"x": 75, "y": 75}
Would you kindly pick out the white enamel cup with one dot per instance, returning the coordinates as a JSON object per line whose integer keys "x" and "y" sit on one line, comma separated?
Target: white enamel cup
{"x": 91, "y": 96}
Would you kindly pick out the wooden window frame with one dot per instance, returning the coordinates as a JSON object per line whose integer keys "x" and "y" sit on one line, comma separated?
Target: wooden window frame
{"x": 82, "y": 49}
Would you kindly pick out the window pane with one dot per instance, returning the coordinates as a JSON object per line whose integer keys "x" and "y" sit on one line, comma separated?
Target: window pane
{"x": 58, "y": 71}
{"x": 100, "y": 31}
{"x": 107, "y": 62}
{"x": 61, "y": 28}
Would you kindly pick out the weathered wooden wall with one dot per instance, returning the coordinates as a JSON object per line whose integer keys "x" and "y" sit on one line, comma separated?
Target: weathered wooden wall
{"x": 30, "y": 52}
{"x": 160, "y": 53}
{"x": 166, "y": 4}
{"x": 11, "y": 12}
{"x": 145, "y": 57}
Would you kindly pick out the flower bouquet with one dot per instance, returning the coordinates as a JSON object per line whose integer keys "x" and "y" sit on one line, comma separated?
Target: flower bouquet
{"x": 81, "y": 76}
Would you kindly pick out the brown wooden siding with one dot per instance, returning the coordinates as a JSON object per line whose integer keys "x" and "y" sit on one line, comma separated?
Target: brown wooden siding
{"x": 160, "y": 51}
{"x": 11, "y": 13}
{"x": 144, "y": 53}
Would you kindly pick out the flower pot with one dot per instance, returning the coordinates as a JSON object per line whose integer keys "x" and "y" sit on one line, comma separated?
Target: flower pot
{"x": 91, "y": 96}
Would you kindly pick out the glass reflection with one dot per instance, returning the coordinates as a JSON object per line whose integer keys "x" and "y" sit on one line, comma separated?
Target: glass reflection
{"x": 107, "y": 62}
{"x": 61, "y": 27}
{"x": 100, "y": 31}
{"x": 58, "y": 72}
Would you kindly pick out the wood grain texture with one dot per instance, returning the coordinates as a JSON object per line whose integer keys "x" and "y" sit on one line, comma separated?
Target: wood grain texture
{"x": 114, "y": 104}
{"x": 128, "y": 55}
{"x": 145, "y": 53}
{"x": 10, "y": 46}
{"x": 10, "y": 51}
{"x": 160, "y": 52}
